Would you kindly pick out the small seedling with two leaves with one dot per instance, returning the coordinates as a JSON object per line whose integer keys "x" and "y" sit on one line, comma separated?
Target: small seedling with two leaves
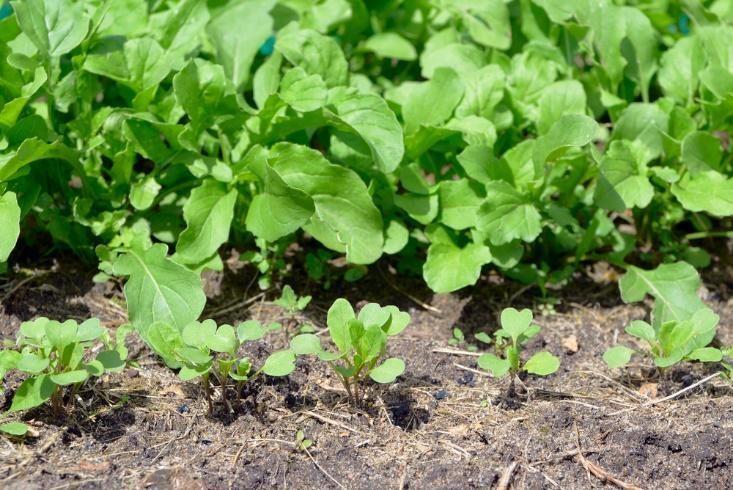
{"x": 516, "y": 330}
{"x": 203, "y": 349}
{"x": 293, "y": 304}
{"x": 55, "y": 355}
{"x": 459, "y": 340}
{"x": 302, "y": 443}
{"x": 361, "y": 344}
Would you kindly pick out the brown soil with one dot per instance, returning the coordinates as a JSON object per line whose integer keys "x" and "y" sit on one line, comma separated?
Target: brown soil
{"x": 442, "y": 425}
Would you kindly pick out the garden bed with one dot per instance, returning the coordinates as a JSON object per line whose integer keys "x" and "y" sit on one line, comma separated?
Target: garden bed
{"x": 442, "y": 425}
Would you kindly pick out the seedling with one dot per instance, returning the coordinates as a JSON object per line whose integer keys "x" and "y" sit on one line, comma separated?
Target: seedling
{"x": 459, "y": 339}
{"x": 203, "y": 349}
{"x": 361, "y": 344}
{"x": 291, "y": 302}
{"x": 517, "y": 329}
{"x": 55, "y": 355}
{"x": 302, "y": 443}
{"x": 682, "y": 326}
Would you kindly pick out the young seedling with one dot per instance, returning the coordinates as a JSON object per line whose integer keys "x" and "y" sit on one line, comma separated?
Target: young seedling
{"x": 516, "y": 329}
{"x": 670, "y": 343}
{"x": 56, "y": 355}
{"x": 292, "y": 304}
{"x": 202, "y": 350}
{"x": 361, "y": 344}
{"x": 459, "y": 339}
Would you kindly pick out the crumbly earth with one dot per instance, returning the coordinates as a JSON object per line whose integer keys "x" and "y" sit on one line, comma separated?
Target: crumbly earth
{"x": 442, "y": 425}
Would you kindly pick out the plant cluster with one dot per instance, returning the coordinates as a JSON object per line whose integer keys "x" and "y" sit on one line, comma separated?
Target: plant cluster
{"x": 555, "y": 133}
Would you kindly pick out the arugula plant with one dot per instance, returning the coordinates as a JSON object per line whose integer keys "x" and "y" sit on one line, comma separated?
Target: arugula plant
{"x": 291, "y": 302}
{"x": 682, "y": 326}
{"x": 204, "y": 350}
{"x": 516, "y": 330}
{"x": 361, "y": 345}
{"x": 56, "y": 356}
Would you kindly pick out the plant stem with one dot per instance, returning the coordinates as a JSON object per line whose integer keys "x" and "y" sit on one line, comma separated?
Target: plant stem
{"x": 207, "y": 392}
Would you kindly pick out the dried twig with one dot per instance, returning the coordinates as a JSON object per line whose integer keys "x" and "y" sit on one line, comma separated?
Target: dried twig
{"x": 596, "y": 470}
{"x": 683, "y": 390}
{"x": 321, "y": 468}
{"x": 457, "y": 352}
{"x": 506, "y": 476}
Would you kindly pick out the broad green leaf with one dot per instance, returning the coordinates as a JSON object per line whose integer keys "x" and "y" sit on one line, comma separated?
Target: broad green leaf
{"x": 280, "y": 209}
{"x": 313, "y": 52}
{"x": 618, "y": 356}
{"x": 483, "y": 91}
{"x": 498, "y": 367}
{"x": 644, "y": 123}
{"x": 388, "y": 371}
{"x": 90, "y": 330}
{"x": 196, "y": 334}
{"x": 237, "y": 32}
{"x": 303, "y": 92}
{"x": 369, "y": 117}
{"x": 449, "y": 267}
{"x": 516, "y": 323}
{"x": 642, "y": 330}
{"x": 399, "y": 322}
{"x": 507, "y": 215}
{"x": 250, "y": 330}
{"x": 208, "y": 213}
{"x": 673, "y": 286}
{"x": 225, "y": 340}
{"x": 194, "y": 358}
{"x": 464, "y": 59}
{"x": 201, "y": 87}
{"x": 641, "y": 51}
{"x": 396, "y": 236}
{"x": 17, "y": 429}
{"x": 12, "y": 109}
{"x": 280, "y": 363}
{"x": 144, "y": 192}
{"x": 391, "y": 45}
{"x": 701, "y": 152}
{"x": 542, "y": 364}
{"x": 339, "y": 316}
{"x": 444, "y": 91}
{"x": 70, "y": 377}
{"x": 32, "y": 150}
{"x": 342, "y": 201}
{"x": 9, "y": 223}
{"x": 140, "y": 63}
{"x": 305, "y": 344}
{"x": 623, "y": 181}
{"x": 569, "y": 131}
{"x": 709, "y": 191}
{"x": 705, "y": 354}
{"x": 266, "y": 79}
{"x": 459, "y": 203}
{"x": 111, "y": 360}
{"x": 372, "y": 314}
{"x": 159, "y": 289}
{"x": 164, "y": 339}
{"x": 32, "y": 393}
{"x": 563, "y": 97}
{"x": 54, "y": 26}
{"x": 680, "y": 65}
{"x": 32, "y": 363}
{"x": 61, "y": 334}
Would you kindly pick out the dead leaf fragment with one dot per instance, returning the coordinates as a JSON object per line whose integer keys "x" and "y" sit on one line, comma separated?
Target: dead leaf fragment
{"x": 649, "y": 390}
{"x": 570, "y": 344}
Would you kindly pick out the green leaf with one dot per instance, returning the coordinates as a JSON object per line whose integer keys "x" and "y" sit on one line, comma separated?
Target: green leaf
{"x": 623, "y": 181}
{"x": 280, "y": 209}
{"x": 250, "y": 330}
{"x": 111, "y": 360}
{"x": 208, "y": 213}
{"x": 542, "y": 364}
{"x": 9, "y": 223}
{"x": 642, "y": 330}
{"x": 237, "y": 32}
{"x": 32, "y": 363}
{"x": 31, "y": 150}
{"x": 144, "y": 192}
{"x": 679, "y": 68}
{"x": 17, "y": 429}
{"x": 342, "y": 202}
{"x": 399, "y": 322}
{"x": 54, "y": 26}
{"x": 388, "y": 371}
{"x": 498, "y": 367}
{"x": 369, "y": 117}
{"x": 60, "y": 334}
{"x": 372, "y": 314}
{"x": 32, "y": 393}
{"x": 396, "y": 236}
{"x": 701, "y": 152}
{"x": 617, "y": 356}
{"x": 279, "y": 363}
{"x": 197, "y": 359}
{"x": 705, "y": 354}
{"x": 70, "y": 377}
{"x": 460, "y": 201}
{"x": 339, "y": 316}
{"x": 644, "y": 123}
{"x": 201, "y": 87}
{"x": 516, "y": 323}
{"x": 313, "y": 52}
{"x": 305, "y": 344}
{"x": 444, "y": 90}
{"x": 569, "y": 131}
{"x": 563, "y": 97}
{"x": 507, "y": 215}
{"x": 710, "y": 192}
{"x": 303, "y": 92}
{"x": 391, "y": 45}
{"x": 449, "y": 267}
{"x": 225, "y": 340}
{"x": 673, "y": 286}
{"x": 159, "y": 289}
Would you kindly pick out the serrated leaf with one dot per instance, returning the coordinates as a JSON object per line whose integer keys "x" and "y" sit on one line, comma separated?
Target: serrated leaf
{"x": 708, "y": 191}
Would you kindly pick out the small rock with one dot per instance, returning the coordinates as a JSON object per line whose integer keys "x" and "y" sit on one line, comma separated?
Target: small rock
{"x": 183, "y": 408}
{"x": 440, "y": 394}
{"x": 570, "y": 344}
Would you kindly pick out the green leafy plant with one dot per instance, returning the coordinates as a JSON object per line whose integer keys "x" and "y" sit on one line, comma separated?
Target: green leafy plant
{"x": 204, "y": 350}
{"x": 291, "y": 302}
{"x": 15, "y": 430}
{"x": 361, "y": 345}
{"x": 56, "y": 355}
{"x": 516, "y": 330}
{"x": 682, "y": 326}
{"x": 459, "y": 339}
